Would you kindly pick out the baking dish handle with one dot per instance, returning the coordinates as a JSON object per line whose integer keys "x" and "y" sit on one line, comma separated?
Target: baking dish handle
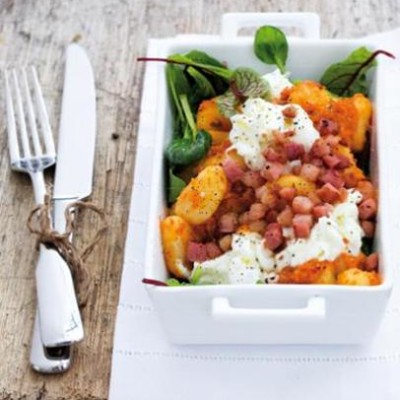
{"x": 308, "y": 23}
{"x": 222, "y": 310}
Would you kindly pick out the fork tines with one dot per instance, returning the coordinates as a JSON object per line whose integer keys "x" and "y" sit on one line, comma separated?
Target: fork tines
{"x": 30, "y": 139}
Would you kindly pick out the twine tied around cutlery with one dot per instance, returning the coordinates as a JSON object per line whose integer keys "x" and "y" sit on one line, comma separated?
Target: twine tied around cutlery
{"x": 39, "y": 223}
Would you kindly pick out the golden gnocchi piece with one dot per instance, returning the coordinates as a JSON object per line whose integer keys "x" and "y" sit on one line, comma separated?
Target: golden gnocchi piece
{"x": 176, "y": 234}
{"x": 215, "y": 159}
{"x": 358, "y": 277}
{"x": 202, "y": 196}
{"x": 345, "y": 151}
{"x": 352, "y": 114}
{"x": 218, "y": 137}
{"x": 210, "y": 118}
{"x": 312, "y": 96}
{"x": 302, "y": 185}
{"x": 327, "y": 276}
{"x": 310, "y": 272}
{"x": 364, "y": 112}
{"x": 347, "y": 261}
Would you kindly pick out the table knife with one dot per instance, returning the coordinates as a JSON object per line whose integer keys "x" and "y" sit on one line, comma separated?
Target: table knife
{"x": 59, "y": 316}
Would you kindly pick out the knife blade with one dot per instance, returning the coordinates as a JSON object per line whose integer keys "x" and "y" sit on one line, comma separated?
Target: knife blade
{"x": 59, "y": 316}
{"x": 76, "y": 143}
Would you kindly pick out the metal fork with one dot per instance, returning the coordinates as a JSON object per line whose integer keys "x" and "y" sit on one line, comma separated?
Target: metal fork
{"x": 31, "y": 148}
{"x": 30, "y": 162}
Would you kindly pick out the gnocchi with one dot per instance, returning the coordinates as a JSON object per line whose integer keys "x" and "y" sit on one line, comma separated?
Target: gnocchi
{"x": 202, "y": 196}
{"x": 358, "y": 277}
{"x": 352, "y": 114}
{"x": 303, "y": 186}
{"x": 209, "y": 117}
{"x": 176, "y": 234}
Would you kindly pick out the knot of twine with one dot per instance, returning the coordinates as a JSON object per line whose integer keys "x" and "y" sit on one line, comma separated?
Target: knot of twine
{"x": 39, "y": 223}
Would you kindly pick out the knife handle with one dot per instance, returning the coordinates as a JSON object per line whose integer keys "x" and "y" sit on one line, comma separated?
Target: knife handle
{"x": 46, "y": 363}
{"x": 59, "y": 316}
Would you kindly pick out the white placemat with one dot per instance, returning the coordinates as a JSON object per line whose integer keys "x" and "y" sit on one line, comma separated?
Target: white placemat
{"x": 146, "y": 367}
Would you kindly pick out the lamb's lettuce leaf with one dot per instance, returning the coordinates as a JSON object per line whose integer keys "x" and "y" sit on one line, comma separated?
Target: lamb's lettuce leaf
{"x": 271, "y": 46}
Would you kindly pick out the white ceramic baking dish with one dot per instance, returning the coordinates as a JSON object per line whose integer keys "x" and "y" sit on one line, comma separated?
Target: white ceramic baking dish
{"x": 270, "y": 314}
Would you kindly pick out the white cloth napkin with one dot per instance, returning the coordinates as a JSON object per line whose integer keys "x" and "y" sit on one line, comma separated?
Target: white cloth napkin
{"x": 147, "y": 367}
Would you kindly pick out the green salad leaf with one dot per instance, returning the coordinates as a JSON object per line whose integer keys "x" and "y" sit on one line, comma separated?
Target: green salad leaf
{"x": 367, "y": 246}
{"x": 202, "y": 87}
{"x": 175, "y": 282}
{"x": 193, "y": 280}
{"x": 248, "y": 83}
{"x": 245, "y": 83}
{"x": 185, "y": 151}
{"x": 220, "y": 84}
{"x": 349, "y": 76}
{"x": 175, "y": 186}
{"x": 178, "y": 85}
{"x": 204, "y": 58}
{"x": 219, "y": 70}
{"x": 227, "y": 103}
{"x": 271, "y": 46}
{"x": 188, "y": 145}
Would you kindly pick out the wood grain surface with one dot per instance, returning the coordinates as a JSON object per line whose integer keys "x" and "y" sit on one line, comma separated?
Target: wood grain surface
{"x": 115, "y": 33}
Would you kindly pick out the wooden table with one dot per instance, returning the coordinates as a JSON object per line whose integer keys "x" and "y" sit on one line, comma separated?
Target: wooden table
{"x": 114, "y": 33}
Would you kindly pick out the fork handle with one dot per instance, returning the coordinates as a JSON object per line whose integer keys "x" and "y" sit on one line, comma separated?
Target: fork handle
{"x": 39, "y": 187}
